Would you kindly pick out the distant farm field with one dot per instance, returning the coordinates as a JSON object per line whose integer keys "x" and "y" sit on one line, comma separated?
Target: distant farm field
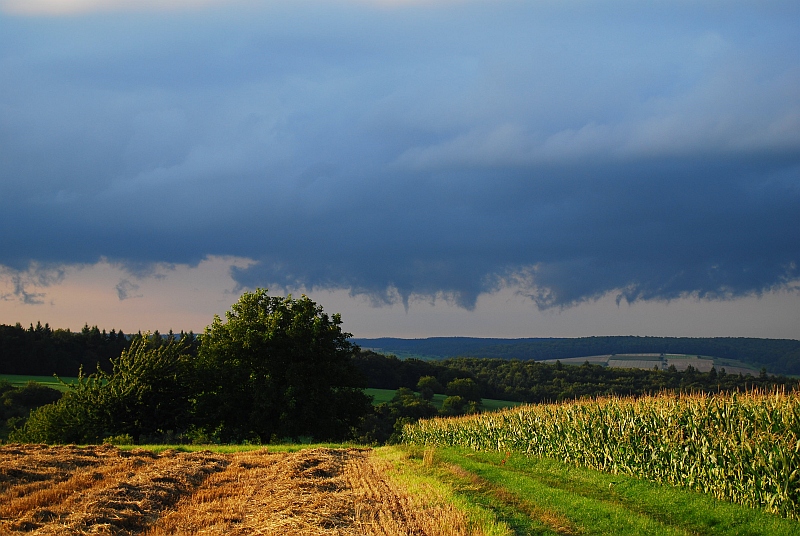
{"x": 661, "y": 362}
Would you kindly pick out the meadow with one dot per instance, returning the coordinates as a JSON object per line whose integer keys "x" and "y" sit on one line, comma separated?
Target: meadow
{"x": 20, "y": 380}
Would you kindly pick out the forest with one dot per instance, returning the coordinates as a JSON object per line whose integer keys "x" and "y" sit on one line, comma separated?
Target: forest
{"x": 42, "y": 351}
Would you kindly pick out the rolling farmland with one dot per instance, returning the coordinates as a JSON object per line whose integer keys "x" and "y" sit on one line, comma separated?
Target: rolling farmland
{"x": 399, "y": 490}
{"x": 668, "y": 464}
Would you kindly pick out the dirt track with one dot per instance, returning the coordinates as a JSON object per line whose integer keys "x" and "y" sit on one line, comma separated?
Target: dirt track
{"x": 104, "y": 490}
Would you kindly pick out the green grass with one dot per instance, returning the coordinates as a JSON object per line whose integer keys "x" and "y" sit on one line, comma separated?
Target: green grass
{"x": 412, "y": 474}
{"x": 490, "y": 404}
{"x": 540, "y": 496}
{"x": 19, "y": 380}
{"x": 379, "y": 396}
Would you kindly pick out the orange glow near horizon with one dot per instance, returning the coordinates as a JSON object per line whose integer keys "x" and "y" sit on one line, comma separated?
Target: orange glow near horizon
{"x": 186, "y": 298}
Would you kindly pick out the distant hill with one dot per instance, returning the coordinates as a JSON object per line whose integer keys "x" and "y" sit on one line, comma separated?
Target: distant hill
{"x": 778, "y": 356}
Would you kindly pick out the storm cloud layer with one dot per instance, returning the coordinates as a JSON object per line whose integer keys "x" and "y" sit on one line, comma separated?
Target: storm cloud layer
{"x": 441, "y": 149}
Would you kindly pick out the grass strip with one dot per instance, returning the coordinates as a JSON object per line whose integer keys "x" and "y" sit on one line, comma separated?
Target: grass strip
{"x": 584, "y": 515}
{"x": 599, "y": 503}
{"x": 413, "y": 472}
{"x": 522, "y": 518}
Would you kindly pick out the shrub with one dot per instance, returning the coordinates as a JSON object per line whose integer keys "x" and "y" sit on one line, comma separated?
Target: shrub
{"x": 146, "y": 393}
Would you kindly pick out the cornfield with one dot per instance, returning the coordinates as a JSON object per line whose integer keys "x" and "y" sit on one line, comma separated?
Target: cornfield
{"x": 741, "y": 447}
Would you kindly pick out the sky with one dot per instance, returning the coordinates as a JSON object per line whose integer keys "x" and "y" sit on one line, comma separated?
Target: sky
{"x": 489, "y": 168}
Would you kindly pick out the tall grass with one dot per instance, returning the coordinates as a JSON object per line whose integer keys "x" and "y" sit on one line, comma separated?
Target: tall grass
{"x": 740, "y": 447}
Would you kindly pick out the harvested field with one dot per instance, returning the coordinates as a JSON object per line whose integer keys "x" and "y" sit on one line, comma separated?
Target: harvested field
{"x": 105, "y": 490}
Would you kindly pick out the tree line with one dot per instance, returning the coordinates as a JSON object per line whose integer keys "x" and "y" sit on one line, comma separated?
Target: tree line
{"x": 42, "y": 351}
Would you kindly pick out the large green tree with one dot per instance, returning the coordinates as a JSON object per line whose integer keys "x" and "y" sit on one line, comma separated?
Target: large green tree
{"x": 278, "y": 367}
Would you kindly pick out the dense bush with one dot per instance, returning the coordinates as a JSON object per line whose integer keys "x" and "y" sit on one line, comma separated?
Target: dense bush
{"x": 16, "y": 403}
{"x": 385, "y": 423}
{"x": 146, "y": 394}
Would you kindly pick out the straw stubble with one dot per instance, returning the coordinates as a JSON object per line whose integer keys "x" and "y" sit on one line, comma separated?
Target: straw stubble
{"x": 103, "y": 490}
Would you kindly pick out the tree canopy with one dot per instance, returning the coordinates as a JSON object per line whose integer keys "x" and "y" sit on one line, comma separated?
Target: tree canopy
{"x": 278, "y": 367}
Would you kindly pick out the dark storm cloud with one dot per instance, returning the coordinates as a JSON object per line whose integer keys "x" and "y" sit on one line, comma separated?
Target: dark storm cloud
{"x": 656, "y": 229}
{"x": 435, "y": 150}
